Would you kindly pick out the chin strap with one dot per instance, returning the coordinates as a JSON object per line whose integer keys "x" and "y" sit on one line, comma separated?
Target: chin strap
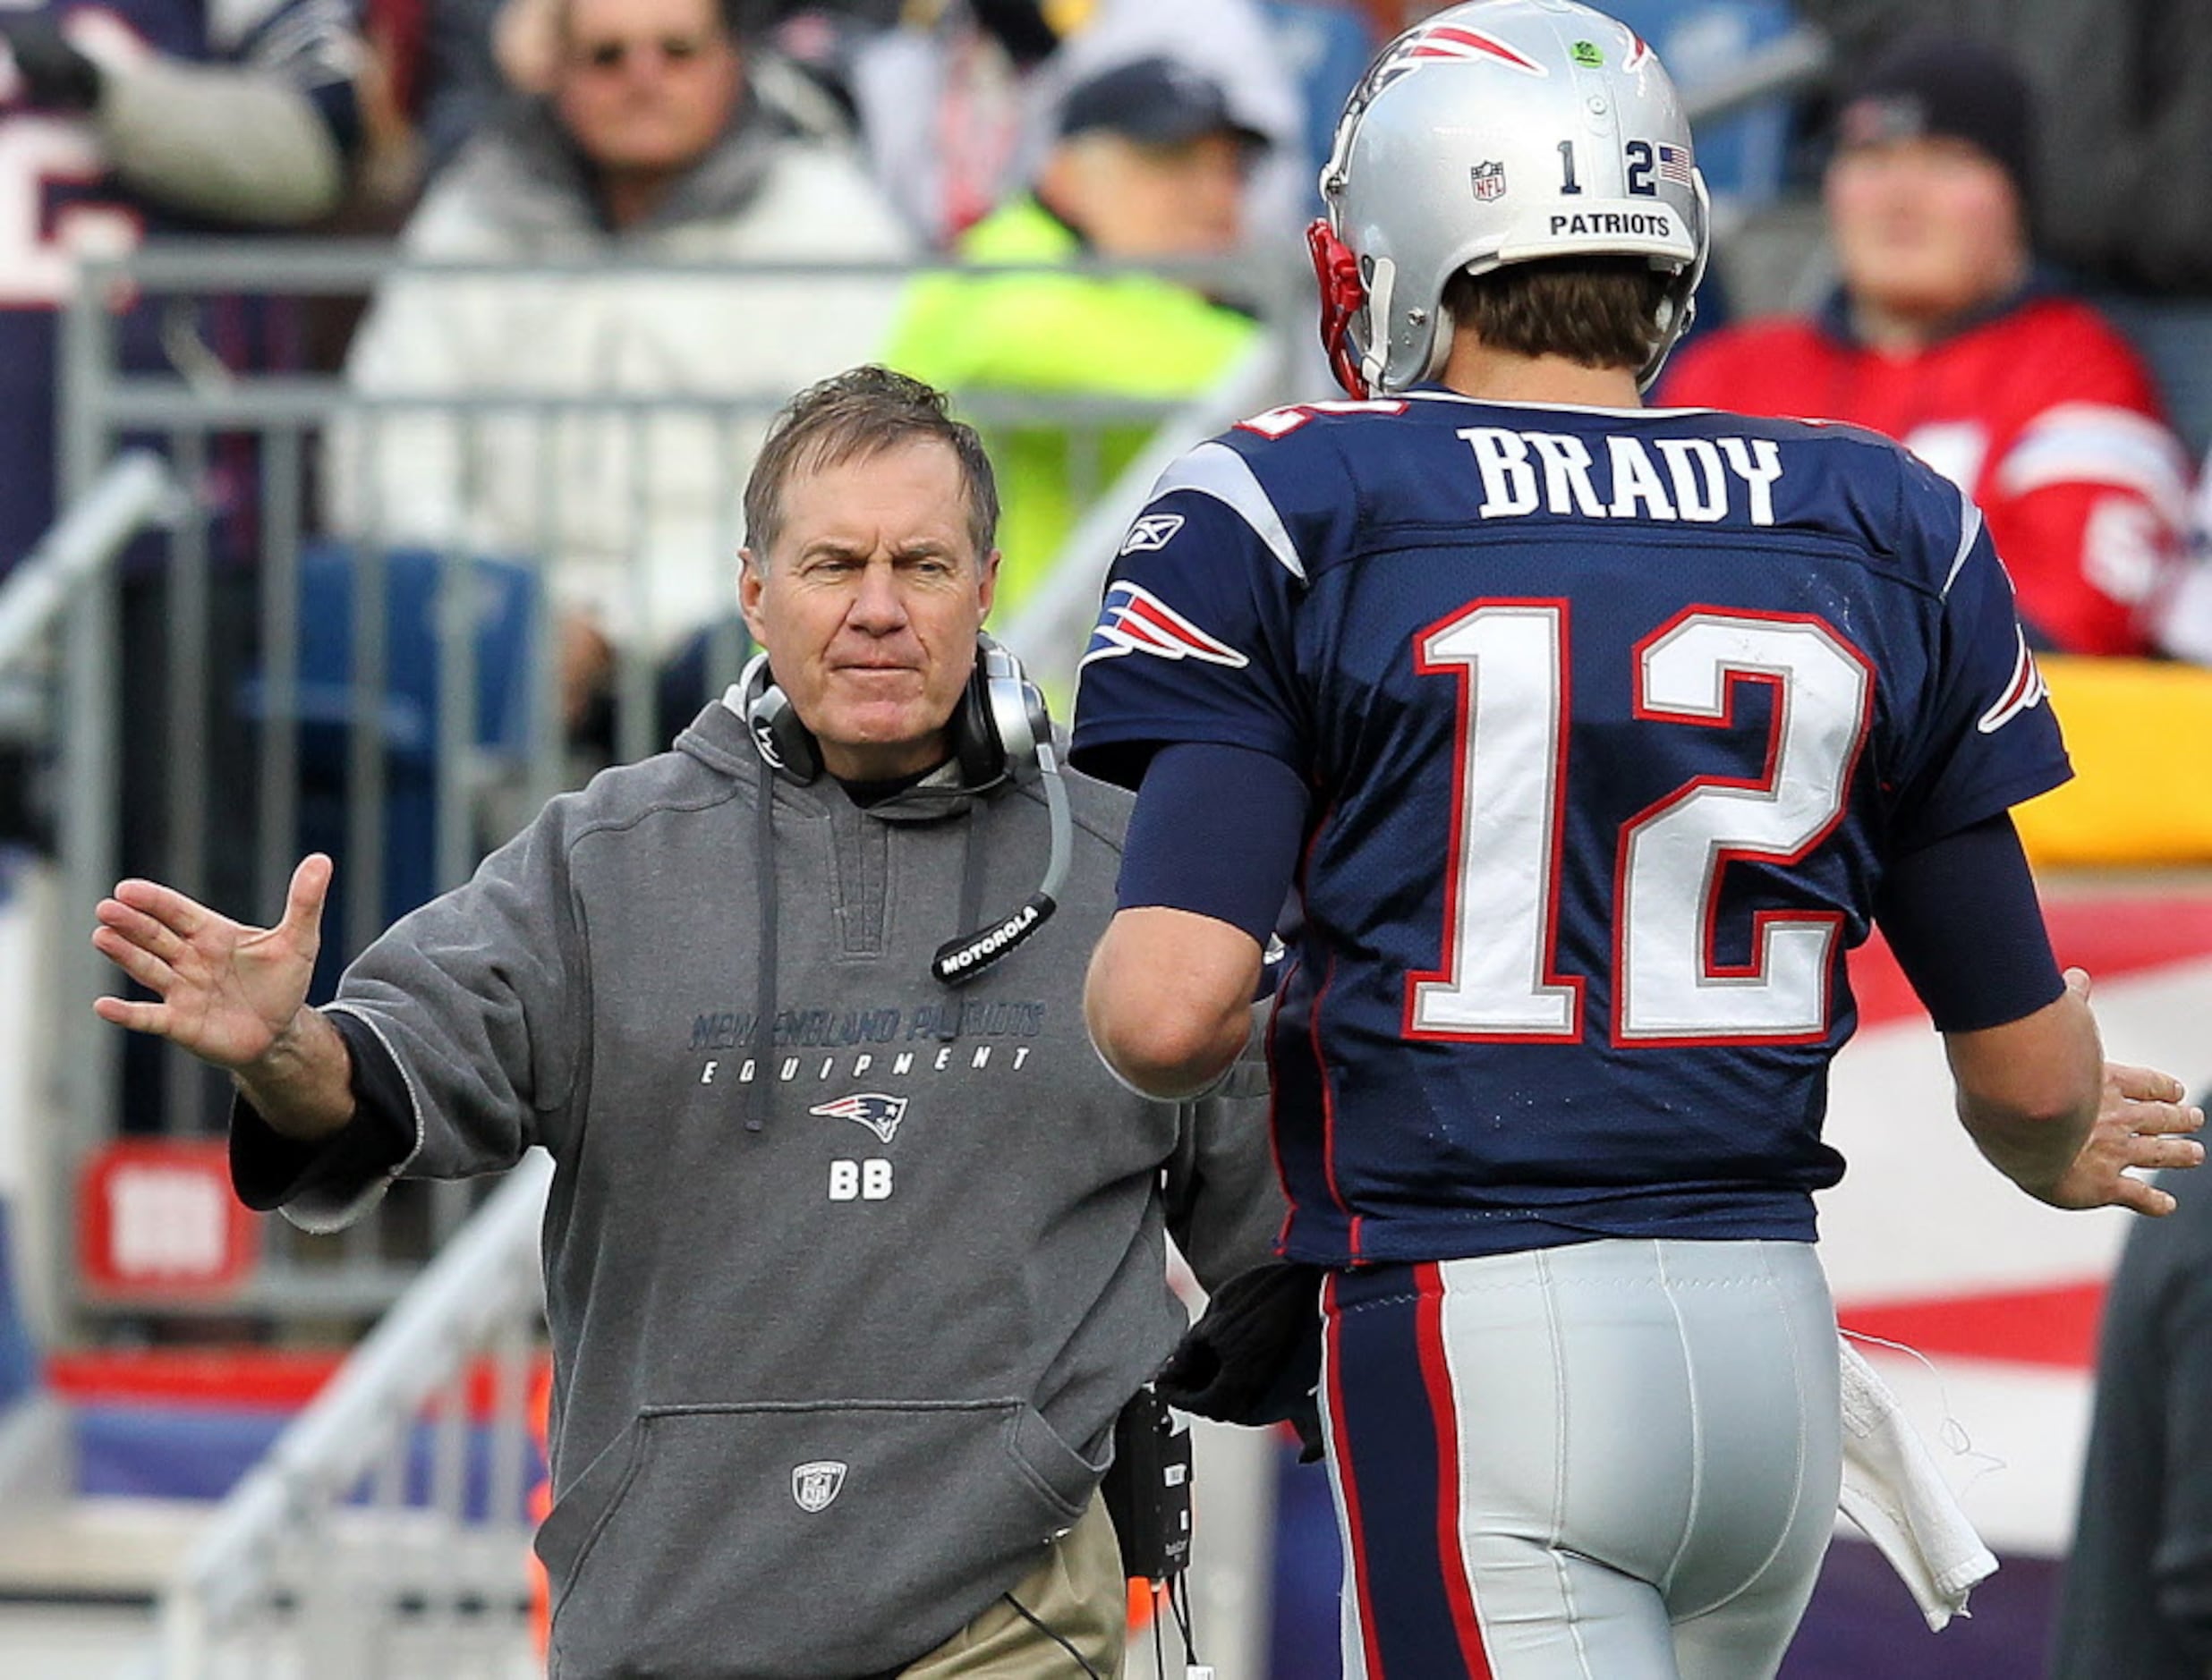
{"x": 1343, "y": 294}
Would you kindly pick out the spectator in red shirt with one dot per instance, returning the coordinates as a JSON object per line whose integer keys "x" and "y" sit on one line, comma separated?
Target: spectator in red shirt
{"x": 1943, "y": 335}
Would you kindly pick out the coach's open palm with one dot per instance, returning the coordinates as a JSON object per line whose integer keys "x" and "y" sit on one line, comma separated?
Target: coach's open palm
{"x": 227, "y": 991}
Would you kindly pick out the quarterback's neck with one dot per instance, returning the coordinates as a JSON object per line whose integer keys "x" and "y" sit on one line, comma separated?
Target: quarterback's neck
{"x": 1498, "y": 376}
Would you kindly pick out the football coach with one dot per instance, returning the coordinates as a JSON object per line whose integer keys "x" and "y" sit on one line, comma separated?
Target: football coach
{"x": 855, "y": 1250}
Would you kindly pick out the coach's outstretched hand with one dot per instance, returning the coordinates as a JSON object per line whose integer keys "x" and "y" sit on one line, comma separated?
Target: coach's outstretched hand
{"x": 235, "y": 996}
{"x": 229, "y": 994}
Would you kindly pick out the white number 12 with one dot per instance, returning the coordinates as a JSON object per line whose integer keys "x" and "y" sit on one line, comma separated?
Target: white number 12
{"x": 1497, "y": 979}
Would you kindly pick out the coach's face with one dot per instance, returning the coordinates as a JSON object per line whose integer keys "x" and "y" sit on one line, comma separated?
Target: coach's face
{"x": 869, "y": 604}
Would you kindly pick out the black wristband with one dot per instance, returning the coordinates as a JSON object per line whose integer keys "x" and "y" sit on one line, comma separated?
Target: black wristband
{"x": 270, "y": 1169}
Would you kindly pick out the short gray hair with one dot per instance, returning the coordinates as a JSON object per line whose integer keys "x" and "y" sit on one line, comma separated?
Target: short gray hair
{"x": 853, "y": 416}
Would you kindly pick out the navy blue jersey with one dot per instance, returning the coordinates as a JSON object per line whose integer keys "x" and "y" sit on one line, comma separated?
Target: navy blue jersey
{"x": 59, "y": 203}
{"x": 1610, "y": 720}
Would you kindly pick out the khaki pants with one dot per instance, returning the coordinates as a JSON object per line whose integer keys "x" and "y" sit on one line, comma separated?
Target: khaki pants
{"x": 1077, "y": 1592}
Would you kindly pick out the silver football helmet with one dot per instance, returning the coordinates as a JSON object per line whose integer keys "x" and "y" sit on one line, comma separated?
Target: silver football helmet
{"x": 1495, "y": 133}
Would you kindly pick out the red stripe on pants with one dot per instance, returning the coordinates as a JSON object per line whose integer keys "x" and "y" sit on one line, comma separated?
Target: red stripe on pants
{"x": 1451, "y": 1558}
{"x": 1340, "y": 1448}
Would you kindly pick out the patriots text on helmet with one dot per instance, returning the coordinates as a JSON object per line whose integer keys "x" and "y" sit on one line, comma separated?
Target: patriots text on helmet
{"x": 1625, "y": 223}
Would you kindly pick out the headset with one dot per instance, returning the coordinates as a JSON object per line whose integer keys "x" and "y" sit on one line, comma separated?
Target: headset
{"x": 1002, "y": 734}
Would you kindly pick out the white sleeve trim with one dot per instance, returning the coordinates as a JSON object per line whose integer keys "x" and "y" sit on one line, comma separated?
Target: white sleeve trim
{"x": 1969, "y": 528}
{"x": 1215, "y": 470}
{"x": 2097, "y": 443}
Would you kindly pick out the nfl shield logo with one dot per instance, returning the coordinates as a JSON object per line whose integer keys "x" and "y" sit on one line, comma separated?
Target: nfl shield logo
{"x": 815, "y": 1485}
{"x": 1489, "y": 180}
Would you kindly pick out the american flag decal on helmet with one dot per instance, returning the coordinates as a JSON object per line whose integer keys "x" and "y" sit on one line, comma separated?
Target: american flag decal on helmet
{"x": 2024, "y": 692}
{"x": 1134, "y": 620}
{"x": 1674, "y": 163}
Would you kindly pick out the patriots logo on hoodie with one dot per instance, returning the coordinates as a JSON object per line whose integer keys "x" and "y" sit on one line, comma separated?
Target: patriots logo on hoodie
{"x": 881, "y": 1113}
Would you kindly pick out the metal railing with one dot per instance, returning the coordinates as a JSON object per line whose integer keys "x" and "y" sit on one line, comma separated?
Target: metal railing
{"x": 1053, "y": 623}
{"x": 387, "y": 1531}
{"x": 136, "y": 491}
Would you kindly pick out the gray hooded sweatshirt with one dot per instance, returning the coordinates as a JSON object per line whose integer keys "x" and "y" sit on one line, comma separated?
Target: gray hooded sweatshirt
{"x": 848, "y": 1274}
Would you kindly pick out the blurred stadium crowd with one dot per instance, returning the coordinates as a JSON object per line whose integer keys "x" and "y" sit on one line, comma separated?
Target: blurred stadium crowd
{"x": 613, "y": 234}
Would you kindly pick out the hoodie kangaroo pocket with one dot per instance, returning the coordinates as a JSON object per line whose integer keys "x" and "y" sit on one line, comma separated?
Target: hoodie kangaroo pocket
{"x": 792, "y": 1541}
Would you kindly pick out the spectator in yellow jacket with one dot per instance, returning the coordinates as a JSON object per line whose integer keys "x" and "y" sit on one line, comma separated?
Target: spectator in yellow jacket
{"x": 1151, "y": 165}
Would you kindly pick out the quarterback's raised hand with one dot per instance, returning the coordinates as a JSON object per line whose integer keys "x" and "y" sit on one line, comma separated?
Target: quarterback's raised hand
{"x": 2142, "y": 1122}
{"x": 2051, "y": 1114}
{"x": 228, "y": 993}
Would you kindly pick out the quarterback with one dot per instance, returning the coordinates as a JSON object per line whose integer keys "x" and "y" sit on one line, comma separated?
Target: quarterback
{"x": 1582, "y": 740}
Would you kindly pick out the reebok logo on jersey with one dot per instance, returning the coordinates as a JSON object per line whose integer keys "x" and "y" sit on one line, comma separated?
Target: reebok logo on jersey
{"x": 881, "y": 1113}
{"x": 2023, "y": 693}
{"x": 1135, "y": 620}
{"x": 1153, "y": 530}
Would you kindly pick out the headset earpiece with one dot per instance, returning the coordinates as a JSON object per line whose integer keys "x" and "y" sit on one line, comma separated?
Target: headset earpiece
{"x": 782, "y": 741}
{"x": 1006, "y": 713}
{"x": 997, "y": 727}
{"x": 975, "y": 742}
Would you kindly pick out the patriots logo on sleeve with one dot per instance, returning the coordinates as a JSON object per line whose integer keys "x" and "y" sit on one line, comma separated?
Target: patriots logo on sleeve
{"x": 2023, "y": 692}
{"x": 1134, "y": 620}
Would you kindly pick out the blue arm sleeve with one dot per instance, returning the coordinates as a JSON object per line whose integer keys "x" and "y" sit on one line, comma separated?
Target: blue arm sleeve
{"x": 1216, "y": 832}
{"x": 1960, "y": 914}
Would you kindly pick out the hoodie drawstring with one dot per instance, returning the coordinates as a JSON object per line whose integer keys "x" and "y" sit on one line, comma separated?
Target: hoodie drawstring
{"x": 764, "y": 974}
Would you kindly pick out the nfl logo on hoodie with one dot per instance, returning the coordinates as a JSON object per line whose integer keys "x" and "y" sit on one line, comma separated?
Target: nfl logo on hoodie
{"x": 815, "y": 1485}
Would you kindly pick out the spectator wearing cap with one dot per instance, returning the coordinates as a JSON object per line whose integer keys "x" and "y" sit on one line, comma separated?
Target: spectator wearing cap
{"x": 1944, "y": 334}
{"x": 1150, "y": 164}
